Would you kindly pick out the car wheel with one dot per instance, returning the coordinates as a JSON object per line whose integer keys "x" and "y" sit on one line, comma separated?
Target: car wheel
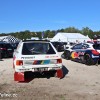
{"x": 89, "y": 60}
{"x": 67, "y": 55}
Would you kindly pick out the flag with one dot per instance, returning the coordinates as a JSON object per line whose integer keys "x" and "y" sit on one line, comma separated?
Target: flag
{"x": 42, "y": 34}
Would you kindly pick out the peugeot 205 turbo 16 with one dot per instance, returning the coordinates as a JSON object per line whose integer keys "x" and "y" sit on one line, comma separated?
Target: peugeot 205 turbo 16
{"x": 36, "y": 56}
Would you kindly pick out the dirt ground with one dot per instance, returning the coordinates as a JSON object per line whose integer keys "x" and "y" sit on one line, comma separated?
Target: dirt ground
{"x": 80, "y": 82}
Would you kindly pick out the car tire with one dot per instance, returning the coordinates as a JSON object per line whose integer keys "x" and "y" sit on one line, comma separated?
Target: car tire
{"x": 88, "y": 60}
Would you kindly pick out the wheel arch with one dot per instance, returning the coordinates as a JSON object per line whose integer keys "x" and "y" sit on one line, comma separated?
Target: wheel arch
{"x": 92, "y": 62}
{"x": 88, "y": 52}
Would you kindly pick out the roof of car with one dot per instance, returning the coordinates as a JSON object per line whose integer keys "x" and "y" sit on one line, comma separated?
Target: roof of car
{"x": 3, "y": 42}
{"x": 36, "y": 40}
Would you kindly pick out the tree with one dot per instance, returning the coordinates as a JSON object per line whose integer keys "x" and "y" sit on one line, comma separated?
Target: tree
{"x": 86, "y": 31}
{"x": 71, "y": 30}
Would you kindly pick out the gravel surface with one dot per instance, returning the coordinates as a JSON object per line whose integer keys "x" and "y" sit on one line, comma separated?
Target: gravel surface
{"x": 80, "y": 82}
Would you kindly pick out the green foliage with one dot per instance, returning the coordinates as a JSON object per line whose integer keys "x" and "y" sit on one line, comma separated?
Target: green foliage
{"x": 49, "y": 34}
{"x": 71, "y": 30}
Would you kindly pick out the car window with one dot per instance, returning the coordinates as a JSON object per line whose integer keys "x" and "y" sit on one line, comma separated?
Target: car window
{"x": 37, "y": 48}
{"x": 85, "y": 46}
{"x": 78, "y": 46}
{"x": 7, "y": 46}
{"x": 96, "y": 46}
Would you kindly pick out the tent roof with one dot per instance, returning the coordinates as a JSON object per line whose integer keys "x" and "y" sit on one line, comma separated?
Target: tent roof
{"x": 73, "y": 35}
{"x": 69, "y": 37}
{"x": 2, "y": 37}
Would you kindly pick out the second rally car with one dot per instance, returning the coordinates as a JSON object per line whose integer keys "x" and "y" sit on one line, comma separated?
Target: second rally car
{"x": 88, "y": 53}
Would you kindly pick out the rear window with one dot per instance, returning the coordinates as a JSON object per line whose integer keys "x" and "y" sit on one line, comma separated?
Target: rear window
{"x": 96, "y": 46}
{"x": 37, "y": 48}
{"x": 5, "y": 45}
{"x": 8, "y": 45}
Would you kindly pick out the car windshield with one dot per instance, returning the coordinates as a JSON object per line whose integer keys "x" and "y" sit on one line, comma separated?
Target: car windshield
{"x": 37, "y": 48}
{"x": 8, "y": 46}
{"x": 96, "y": 46}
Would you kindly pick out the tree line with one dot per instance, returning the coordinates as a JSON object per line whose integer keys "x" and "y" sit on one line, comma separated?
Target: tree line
{"x": 51, "y": 33}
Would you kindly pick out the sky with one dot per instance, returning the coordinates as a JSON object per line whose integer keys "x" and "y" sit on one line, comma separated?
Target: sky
{"x": 41, "y": 15}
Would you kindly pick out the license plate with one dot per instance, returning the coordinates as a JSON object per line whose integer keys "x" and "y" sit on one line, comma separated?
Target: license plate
{"x": 40, "y": 69}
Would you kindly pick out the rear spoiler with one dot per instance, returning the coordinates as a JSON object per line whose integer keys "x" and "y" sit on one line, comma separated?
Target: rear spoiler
{"x": 36, "y": 40}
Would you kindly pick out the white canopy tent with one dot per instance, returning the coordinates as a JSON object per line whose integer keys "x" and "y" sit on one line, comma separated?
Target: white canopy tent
{"x": 70, "y": 37}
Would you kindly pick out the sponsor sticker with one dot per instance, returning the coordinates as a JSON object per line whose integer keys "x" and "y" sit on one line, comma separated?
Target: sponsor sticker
{"x": 74, "y": 55}
{"x": 27, "y": 57}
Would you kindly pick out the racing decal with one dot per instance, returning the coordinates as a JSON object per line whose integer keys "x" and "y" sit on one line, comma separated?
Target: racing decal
{"x": 95, "y": 56}
{"x": 81, "y": 53}
{"x": 46, "y": 62}
{"x": 46, "y": 56}
{"x": 51, "y": 56}
{"x": 74, "y": 55}
{"x": 35, "y": 62}
{"x": 27, "y": 57}
{"x": 41, "y": 62}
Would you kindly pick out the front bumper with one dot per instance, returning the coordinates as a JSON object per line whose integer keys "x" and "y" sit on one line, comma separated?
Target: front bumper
{"x": 95, "y": 56}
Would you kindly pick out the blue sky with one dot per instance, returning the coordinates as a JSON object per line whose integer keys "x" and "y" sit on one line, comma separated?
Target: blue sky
{"x": 41, "y": 15}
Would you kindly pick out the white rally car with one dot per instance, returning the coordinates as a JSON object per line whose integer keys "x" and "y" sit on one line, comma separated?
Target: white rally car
{"x": 36, "y": 56}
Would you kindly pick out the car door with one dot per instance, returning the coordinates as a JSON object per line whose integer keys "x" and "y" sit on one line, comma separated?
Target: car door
{"x": 77, "y": 51}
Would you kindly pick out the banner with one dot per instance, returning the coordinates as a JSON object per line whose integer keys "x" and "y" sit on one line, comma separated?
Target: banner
{"x": 42, "y": 35}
